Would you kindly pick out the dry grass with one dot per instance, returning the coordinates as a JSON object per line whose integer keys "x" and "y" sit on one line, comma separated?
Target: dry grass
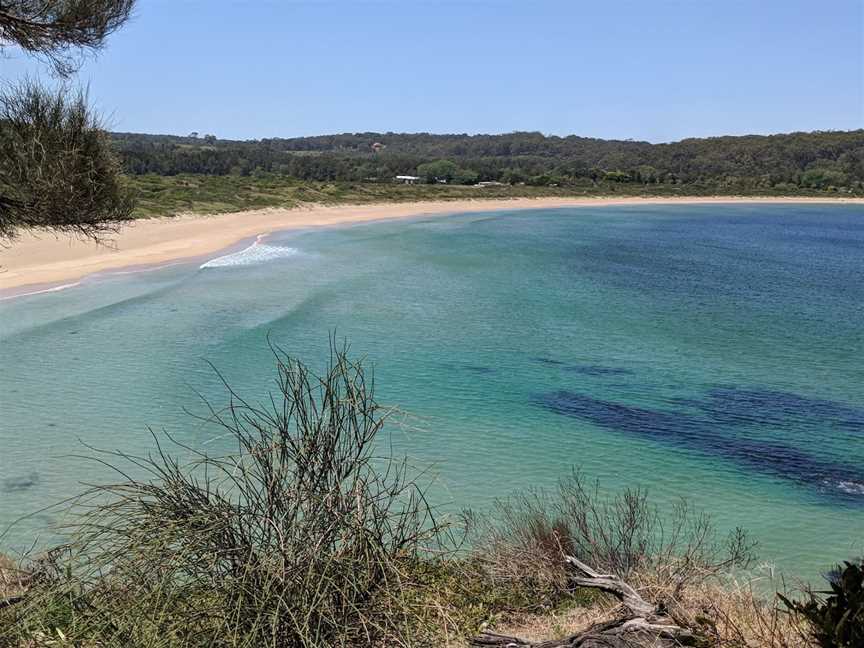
{"x": 555, "y": 624}
{"x": 525, "y": 537}
{"x": 14, "y": 580}
{"x": 673, "y": 558}
{"x": 737, "y": 614}
{"x": 726, "y": 614}
{"x": 513, "y": 582}
{"x": 158, "y": 196}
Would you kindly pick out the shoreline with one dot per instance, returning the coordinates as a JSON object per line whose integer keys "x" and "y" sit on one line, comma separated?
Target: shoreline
{"x": 45, "y": 262}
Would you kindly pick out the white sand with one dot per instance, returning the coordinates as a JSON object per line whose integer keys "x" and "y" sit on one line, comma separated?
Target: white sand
{"x": 40, "y": 260}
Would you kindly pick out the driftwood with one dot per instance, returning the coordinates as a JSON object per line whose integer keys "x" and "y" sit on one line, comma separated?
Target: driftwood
{"x": 641, "y": 624}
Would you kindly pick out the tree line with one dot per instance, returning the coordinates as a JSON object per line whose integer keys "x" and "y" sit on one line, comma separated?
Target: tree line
{"x": 60, "y": 170}
{"x": 822, "y": 160}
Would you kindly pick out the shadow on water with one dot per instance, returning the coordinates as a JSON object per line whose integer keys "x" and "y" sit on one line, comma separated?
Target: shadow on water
{"x": 478, "y": 369}
{"x": 549, "y": 361}
{"x": 734, "y": 406}
{"x": 598, "y": 370}
{"x": 19, "y": 483}
{"x": 712, "y": 431}
{"x": 481, "y": 370}
{"x": 594, "y": 370}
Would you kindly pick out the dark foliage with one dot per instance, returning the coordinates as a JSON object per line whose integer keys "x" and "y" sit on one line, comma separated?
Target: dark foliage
{"x": 819, "y": 161}
{"x": 57, "y": 168}
{"x": 836, "y": 620}
{"x": 56, "y": 29}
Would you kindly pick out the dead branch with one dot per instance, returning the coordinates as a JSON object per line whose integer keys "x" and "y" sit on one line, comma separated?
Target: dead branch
{"x": 643, "y": 623}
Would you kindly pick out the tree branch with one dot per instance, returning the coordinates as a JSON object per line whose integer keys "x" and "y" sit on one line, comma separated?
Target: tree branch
{"x": 643, "y": 625}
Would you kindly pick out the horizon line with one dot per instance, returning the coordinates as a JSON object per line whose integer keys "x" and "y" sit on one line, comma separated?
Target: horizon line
{"x": 500, "y": 134}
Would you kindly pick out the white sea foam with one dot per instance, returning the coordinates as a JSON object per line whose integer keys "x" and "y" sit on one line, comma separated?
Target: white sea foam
{"x": 252, "y": 255}
{"x": 851, "y": 487}
{"x": 41, "y": 290}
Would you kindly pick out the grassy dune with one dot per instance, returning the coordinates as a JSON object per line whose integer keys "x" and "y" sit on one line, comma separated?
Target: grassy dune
{"x": 171, "y": 195}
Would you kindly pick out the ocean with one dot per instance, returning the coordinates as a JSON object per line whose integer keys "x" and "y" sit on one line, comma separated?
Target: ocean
{"x": 712, "y": 352}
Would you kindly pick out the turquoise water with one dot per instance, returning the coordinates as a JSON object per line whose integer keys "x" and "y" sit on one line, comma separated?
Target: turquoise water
{"x": 713, "y": 352}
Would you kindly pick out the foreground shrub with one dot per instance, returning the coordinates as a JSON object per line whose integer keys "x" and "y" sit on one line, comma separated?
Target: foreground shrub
{"x": 525, "y": 537}
{"x": 306, "y": 536}
{"x": 673, "y": 558}
{"x": 836, "y": 620}
{"x": 303, "y": 537}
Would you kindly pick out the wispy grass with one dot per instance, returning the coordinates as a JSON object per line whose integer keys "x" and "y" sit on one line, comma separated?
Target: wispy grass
{"x": 302, "y": 537}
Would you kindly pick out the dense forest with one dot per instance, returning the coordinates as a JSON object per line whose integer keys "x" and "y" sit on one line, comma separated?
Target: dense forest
{"x": 828, "y": 160}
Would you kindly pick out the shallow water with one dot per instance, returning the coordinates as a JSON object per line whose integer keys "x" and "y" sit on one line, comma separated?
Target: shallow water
{"x": 713, "y": 351}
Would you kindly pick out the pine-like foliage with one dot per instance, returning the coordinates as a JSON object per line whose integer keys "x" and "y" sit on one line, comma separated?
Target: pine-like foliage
{"x": 58, "y": 169}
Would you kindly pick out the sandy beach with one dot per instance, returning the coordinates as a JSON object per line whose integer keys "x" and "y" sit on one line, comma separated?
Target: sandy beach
{"x": 42, "y": 260}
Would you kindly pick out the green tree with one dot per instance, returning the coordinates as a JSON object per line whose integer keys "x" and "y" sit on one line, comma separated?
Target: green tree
{"x": 723, "y": 164}
{"x": 616, "y": 176}
{"x": 58, "y": 169}
{"x": 466, "y": 176}
{"x": 645, "y": 173}
{"x": 437, "y": 171}
{"x": 513, "y": 176}
{"x": 544, "y": 180}
{"x": 823, "y": 178}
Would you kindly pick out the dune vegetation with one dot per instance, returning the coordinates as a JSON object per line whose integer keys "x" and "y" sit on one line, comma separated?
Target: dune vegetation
{"x": 158, "y": 196}
{"x": 823, "y": 160}
{"x": 203, "y": 174}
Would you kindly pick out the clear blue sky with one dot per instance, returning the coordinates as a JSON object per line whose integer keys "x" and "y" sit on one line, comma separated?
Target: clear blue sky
{"x": 657, "y": 70}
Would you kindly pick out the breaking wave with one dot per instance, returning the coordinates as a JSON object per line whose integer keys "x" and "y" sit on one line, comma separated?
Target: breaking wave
{"x": 253, "y": 255}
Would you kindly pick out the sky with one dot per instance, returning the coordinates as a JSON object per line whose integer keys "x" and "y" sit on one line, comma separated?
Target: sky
{"x": 658, "y": 70}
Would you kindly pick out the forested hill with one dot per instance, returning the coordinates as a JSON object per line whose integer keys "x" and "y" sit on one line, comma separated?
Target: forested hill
{"x": 830, "y": 160}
